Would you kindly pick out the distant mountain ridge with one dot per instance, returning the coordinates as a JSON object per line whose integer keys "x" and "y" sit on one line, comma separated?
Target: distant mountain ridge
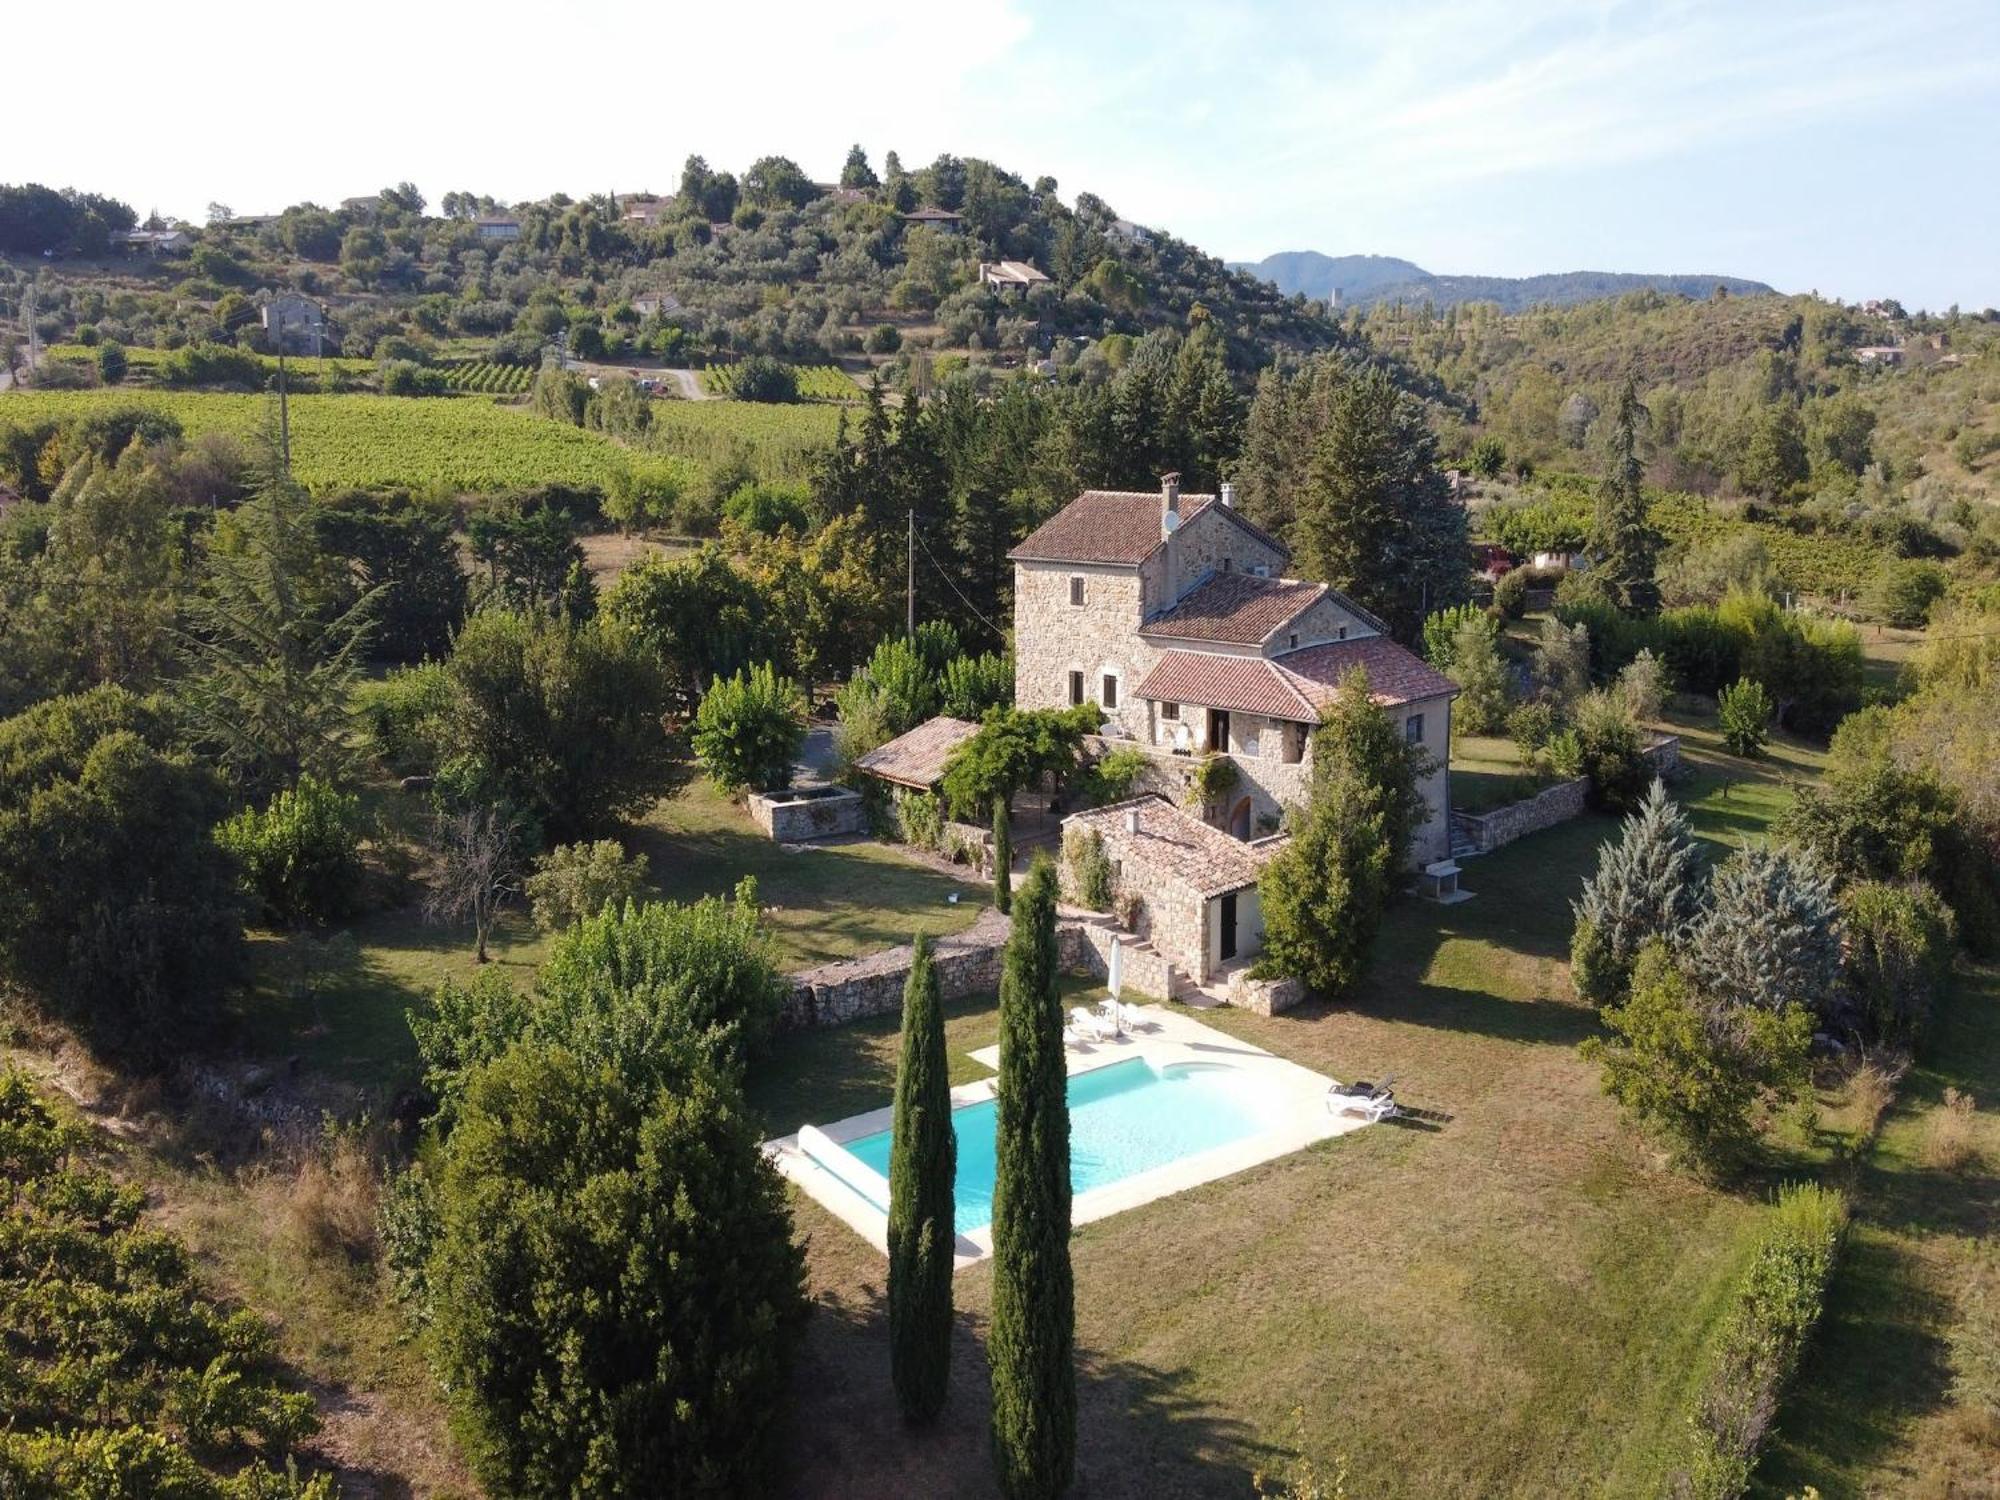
{"x": 1368, "y": 279}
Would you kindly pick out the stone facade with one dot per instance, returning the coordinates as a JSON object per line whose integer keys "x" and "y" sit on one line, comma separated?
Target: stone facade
{"x": 808, "y": 814}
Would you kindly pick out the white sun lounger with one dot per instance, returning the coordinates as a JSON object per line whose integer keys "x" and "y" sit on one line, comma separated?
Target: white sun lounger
{"x": 1375, "y": 1107}
{"x": 1093, "y": 1025}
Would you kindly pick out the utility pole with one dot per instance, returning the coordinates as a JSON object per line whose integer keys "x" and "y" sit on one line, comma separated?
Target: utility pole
{"x": 910, "y": 591}
{"x": 28, "y": 316}
{"x": 284, "y": 412}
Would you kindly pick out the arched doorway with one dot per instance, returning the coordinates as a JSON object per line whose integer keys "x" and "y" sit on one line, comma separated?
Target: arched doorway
{"x": 1239, "y": 819}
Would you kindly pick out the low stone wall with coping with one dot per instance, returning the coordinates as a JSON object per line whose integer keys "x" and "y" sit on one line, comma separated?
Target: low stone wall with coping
{"x": 809, "y": 813}
{"x": 1552, "y": 805}
{"x": 967, "y": 964}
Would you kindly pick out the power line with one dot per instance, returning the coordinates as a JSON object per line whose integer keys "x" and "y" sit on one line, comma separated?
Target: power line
{"x": 953, "y": 586}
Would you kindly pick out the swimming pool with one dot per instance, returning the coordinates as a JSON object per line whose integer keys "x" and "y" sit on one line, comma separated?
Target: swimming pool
{"x": 1125, "y": 1118}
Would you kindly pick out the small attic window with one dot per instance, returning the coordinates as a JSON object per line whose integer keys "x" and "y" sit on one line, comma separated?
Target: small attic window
{"x": 1228, "y": 563}
{"x": 1295, "y": 640}
{"x": 1343, "y": 633}
{"x": 1076, "y": 589}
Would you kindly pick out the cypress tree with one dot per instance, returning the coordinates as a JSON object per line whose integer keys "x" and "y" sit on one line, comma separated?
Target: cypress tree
{"x": 1646, "y": 889}
{"x": 1621, "y": 534}
{"x": 1033, "y": 1341}
{"x": 1003, "y": 855}
{"x": 923, "y": 1162}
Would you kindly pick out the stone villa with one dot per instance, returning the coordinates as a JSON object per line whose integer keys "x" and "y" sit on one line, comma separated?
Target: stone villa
{"x": 1173, "y": 614}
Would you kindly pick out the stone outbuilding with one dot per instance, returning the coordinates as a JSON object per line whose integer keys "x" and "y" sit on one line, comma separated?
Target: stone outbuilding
{"x": 1193, "y": 885}
{"x": 915, "y": 761}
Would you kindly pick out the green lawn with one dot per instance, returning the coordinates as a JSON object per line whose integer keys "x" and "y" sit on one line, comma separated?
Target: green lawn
{"x": 821, "y": 903}
{"x": 1486, "y": 773}
{"x": 1874, "y": 1412}
{"x": 1507, "y": 1295}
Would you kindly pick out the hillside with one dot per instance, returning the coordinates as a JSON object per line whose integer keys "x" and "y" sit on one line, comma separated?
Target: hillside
{"x": 1365, "y": 280}
{"x": 1787, "y": 401}
{"x": 867, "y": 272}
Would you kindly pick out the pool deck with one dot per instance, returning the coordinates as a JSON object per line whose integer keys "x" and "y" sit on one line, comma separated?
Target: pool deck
{"x": 1163, "y": 1037}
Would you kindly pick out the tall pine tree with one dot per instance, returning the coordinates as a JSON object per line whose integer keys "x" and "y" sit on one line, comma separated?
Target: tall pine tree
{"x": 272, "y": 665}
{"x": 1646, "y": 889}
{"x": 1626, "y": 547}
{"x": 1376, "y": 519}
{"x": 1033, "y": 1341}
{"x": 923, "y": 1163}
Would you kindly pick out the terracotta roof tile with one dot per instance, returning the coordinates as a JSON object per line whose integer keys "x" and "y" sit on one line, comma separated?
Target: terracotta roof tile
{"x": 917, "y": 758}
{"x": 1120, "y": 527}
{"x": 1239, "y": 684}
{"x": 1238, "y": 608}
{"x": 1395, "y": 673}
{"x": 1296, "y": 685}
{"x": 1204, "y": 858}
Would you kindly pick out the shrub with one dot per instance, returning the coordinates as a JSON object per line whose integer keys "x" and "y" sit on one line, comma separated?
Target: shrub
{"x": 1643, "y": 684}
{"x": 1896, "y": 956}
{"x": 615, "y": 1294}
{"x": 1510, "y": 594}
{"x": 1441, "y": 631}
{"x": 921, "y": 819}
{"x": 1562, "y": 662}
{"x": 970, "y": 685}
{"x": 1769, "y": 939}
{"x": 1644, "y": 891}
{"x": 1481, "y": 675}
{"x": 123, "y": 1378}
{"x": 575, "y": 881}
{"x": 644, "y": 975}
{"x": 1532, "y": 726}
{"x": 1904, "y": 591}
{"x": 884, "y": 338}
{"x": 1744, "y": 713}
{"x": 1608, "y": 752}
{"x": 761, "y": 378}
{"x": 119, "y": 911}
{"x": 301, "y": 855}
{"x": 1089, "y": 867}
{"x": 1113, "y": 776}
{"x": 749, "y": 729}
{"x": 1758, "y": 1349}
{"x": 1692, "y": 1071}
{"x": 112, "y": 362}
{"x": 405, "y": 716}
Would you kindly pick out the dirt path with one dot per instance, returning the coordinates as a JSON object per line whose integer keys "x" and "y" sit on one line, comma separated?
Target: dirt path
{"x": 690, "y": 384}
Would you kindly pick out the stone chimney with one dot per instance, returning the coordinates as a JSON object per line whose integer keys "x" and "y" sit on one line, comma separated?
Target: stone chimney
{"x": 1170, "y": 504}
{"x": 1131, "y": 820}
{"x": 1229, "y": 496}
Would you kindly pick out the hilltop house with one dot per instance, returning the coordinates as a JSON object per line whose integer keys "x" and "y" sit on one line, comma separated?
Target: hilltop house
{"x": 1009, "y": 275}
{"x": 1172, "y": 613}
{"x": 494, "y": 229}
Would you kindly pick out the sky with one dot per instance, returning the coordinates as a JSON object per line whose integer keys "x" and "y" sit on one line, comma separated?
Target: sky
{"x": 1848, "y": 148}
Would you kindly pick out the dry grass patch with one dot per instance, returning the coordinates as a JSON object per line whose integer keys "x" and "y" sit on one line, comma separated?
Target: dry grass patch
{"x": 1949, "y": 1133}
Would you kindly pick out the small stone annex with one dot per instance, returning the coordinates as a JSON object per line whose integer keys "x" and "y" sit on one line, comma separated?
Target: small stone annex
{"x": 1193, "y": 888}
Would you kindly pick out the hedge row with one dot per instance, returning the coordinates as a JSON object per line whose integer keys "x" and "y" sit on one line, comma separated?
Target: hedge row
{"x": 1766, "y": 1330}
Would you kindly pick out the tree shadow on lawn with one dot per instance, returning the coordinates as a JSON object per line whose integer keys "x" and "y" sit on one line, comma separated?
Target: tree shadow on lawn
{"x": 1141, "y": 1432}
{"x": 1874, "y": 1365}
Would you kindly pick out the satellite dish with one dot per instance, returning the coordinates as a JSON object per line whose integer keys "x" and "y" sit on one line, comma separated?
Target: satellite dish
{"x": 1172, "y": 521}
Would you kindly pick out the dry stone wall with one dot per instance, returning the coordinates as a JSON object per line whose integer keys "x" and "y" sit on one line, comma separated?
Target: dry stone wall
{"x": 1556, "y": 804}
{"x": 795, "y": 819}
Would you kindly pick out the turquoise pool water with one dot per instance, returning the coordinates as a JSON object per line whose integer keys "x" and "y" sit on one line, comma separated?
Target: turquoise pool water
{"x": 1124, "y": 1119}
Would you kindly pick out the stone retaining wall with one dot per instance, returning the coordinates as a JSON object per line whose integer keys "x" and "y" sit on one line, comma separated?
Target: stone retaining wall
{"x": 790, "y": 818}
{"x": 1553, "y": 805}
{"x": 968, "y": 964}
